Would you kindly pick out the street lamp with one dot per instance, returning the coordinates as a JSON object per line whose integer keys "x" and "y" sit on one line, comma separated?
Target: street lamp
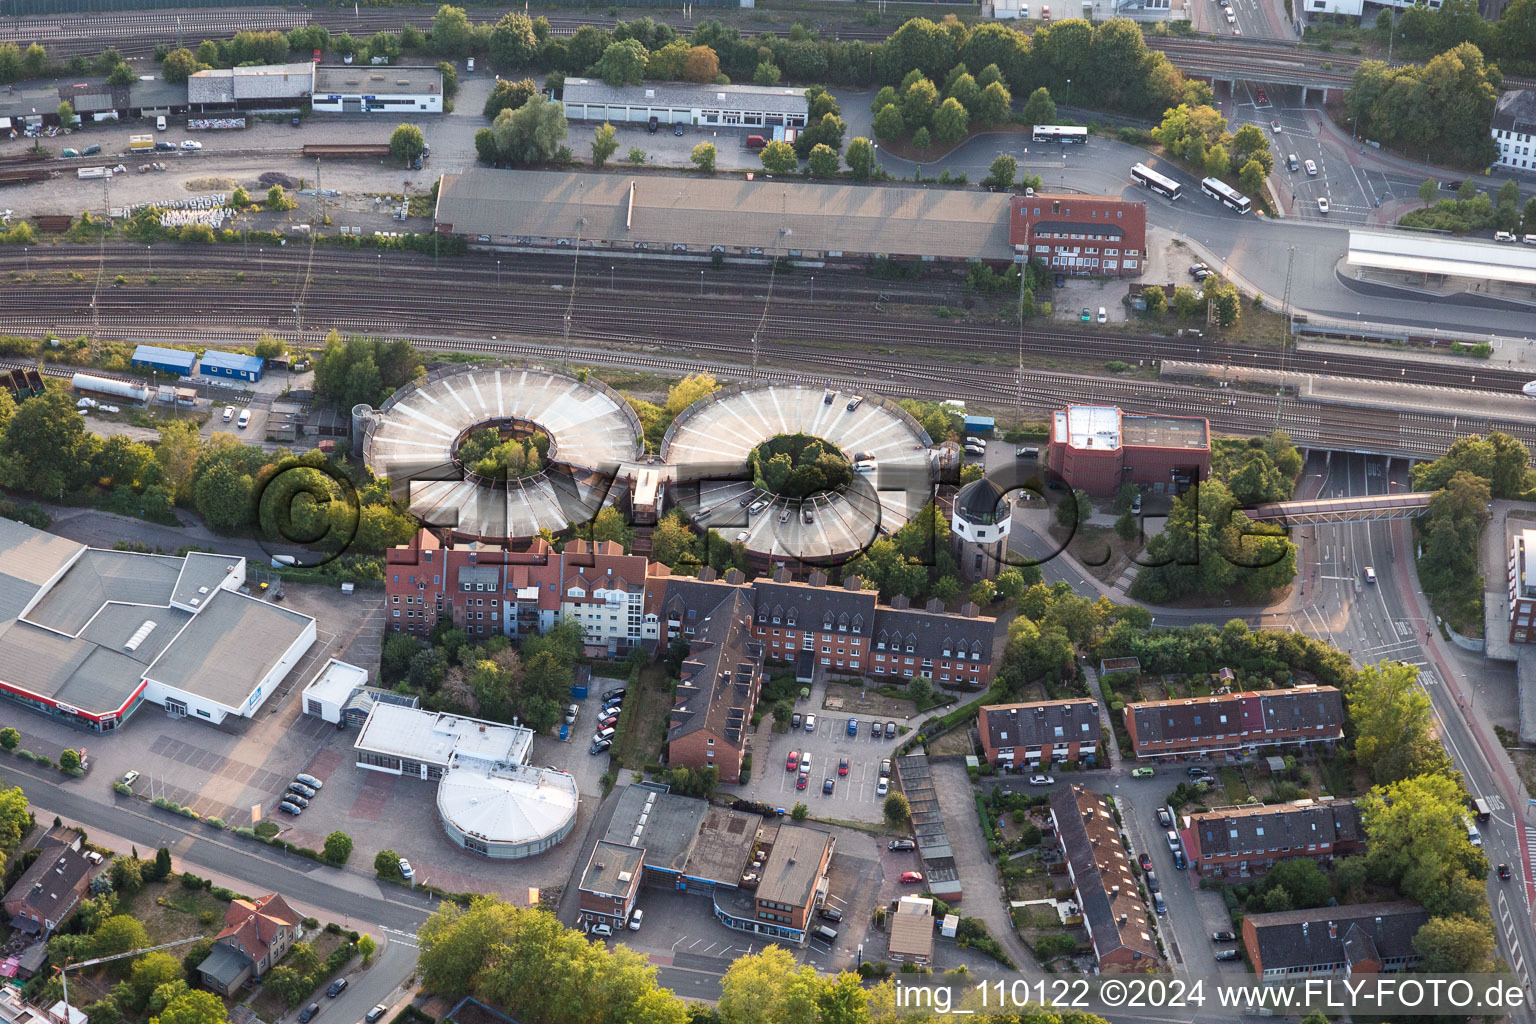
{"x": 151, "y": 250}
{"x": 498, "y": 273}
{"x": 813, "y": 287}
{"x": 701, "y": 284}
{"x": 1068, "y": 101}
{"x": 610, "y": 278}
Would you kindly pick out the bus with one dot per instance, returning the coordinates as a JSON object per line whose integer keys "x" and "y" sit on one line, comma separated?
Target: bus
{"x": 1060, "y": 133}
{"x": 1146, "y": 177}
{"x": 1226, "y": 195}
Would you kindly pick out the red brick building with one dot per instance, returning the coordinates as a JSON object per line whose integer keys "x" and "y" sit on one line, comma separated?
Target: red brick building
{"x": 1077, "y": 234}
{"x": 1098, "y": 448}
{"x": 610, "y": 884}
{"x": 1099, "y": 867}
{"x": 1233, "y": 722}
{"x": 1248, "y": 841}
{"x": 1366, "y": 938}
{"x": 1032, "y": 735}
{"x": 722, "y": 678}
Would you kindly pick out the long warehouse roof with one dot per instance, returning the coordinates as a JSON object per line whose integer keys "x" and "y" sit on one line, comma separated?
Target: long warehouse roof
{"x": 776, "y": 216}
{"x": 1452, "y": 257}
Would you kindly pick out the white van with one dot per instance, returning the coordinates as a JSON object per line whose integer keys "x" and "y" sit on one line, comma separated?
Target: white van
{"x": 245, "y": 419}
{"x": 160, "y": 123}
{"x": 1370, "y": 575}
{"x": 229, "y": 413}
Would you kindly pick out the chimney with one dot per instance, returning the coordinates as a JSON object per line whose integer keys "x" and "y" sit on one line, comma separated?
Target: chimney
{"x": 934, "y": 605}
{"x": 900, "y": 602}
{"x": 707, "y": 574}
{"x": 817, "y": 579}
{"x": 853, "y": 583}
{"x": 970, "y": 609}
{"x": 736, "y": 577}
{"x": 1333, "y": 930}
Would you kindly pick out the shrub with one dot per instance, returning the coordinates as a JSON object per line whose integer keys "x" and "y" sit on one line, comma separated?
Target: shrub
{"x": 190, "y": 881}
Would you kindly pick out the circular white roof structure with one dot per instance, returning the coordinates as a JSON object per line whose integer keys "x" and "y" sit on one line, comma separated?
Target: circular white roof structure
{"x": 709, "y": 444}
{"x": 593, "y": 432}
{"x": 507, "y": 812}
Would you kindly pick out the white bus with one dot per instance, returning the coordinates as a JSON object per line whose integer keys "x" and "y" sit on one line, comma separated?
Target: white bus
{"x": 1146, "y": 177}
{"x": 1060, "y": 133}
{"x": 1225, "y": 194}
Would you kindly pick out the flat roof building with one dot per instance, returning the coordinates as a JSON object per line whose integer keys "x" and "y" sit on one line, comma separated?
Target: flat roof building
{"x": 166, "y": 360}
{"x": 87, "y": 634}
{"x": 1432, "y": 257}
{"x": 408, "y": 741}
{"x": 1099, "y": 448}
{"x": 231, "y": 364}
{"x": 364, "y": 89}
{"x": 610, "y": 884}
{"x": 765, "y": 217}
{"x": 257, "y": 85}
{"x": 733, "y": 106}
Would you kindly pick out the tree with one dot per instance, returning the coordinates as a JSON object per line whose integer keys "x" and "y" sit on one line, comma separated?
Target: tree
{"x": 1429, "y": 189}
{"x": 1156, "y": 300}
{"x": 703, "y": 157}
{"x": 779, "y": 158}
{"x": 636, "y": 155}
{"x": 1040, "y": 108}
{"x": 1250, "y": 180}
{"x": 119, "y": 934}
{"x": 1184, "y": 302}
{"x": 366, "y": 947}
{"x": 456, "y": 943}
{"x": 10, "y": 739}
{"x": 532, "y": 133}
{"x": 766, "y": 74}
{"x": 509, "y": 95}
{"x": 1003, "y": 171}
{"x": 897, "y": 811}
{"x": 338, "y": 847}
{"x": 822, "y": 162}
{"x": 1302, "y": 879}
{"x": 1454, "y": 945}
{"x": 604, "y": 142}
{"x": 701, "y": 64}
{"x": 769, "y": 988}
{"x": 66, "y": 113}
{"x": 860, "y": 158}
{"x": 889, "y": 123}
{"x": 387, "y": 863}
{"x": 994, "y": 105}
{"x": 799, "y": 812}
{"x": 622, "y": 63}
{"x": 918, "y": 102}
{"x": 1392, "y": 717}
{"x": 1126, "y": 527}
{"x": 1217, "y": 162}
{"x": 195, "y": 1007}
{"x": 121, "y": 75}
{"x": 15, "y": 819}
{"x": 452, "y": 34}
{"x": 513, "y": 43}
{"x": 222, "y": 496}
{"x": 922, "y": 139}
{"x": 407, "y": 143}
{"x": 69, "y": 760}
{"x": 1416, "y": 839}
{"x": 162, "y": 864}
{"x": 34, "y": 61}
{"x": 149, "y": 972}
{"x": 46, "y": 445}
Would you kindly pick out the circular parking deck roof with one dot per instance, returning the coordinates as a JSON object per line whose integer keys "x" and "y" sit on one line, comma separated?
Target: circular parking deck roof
{"x": 508, "y": 812}
{"x": 593, "y": 433}
{"x": 709, "y": 444}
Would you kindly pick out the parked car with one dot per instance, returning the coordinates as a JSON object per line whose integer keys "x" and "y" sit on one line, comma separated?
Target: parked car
{"x": 610, "y": 694}
{"x": 1027, "y": 453}
{"x": 1086, "y": 316}
{"x": 1164, "y": 817}
{"x": 90, "y": 151}
{"x": 853, "y": 727}
{"x": 337, "y": 988}
{"x": 301, "y": 790}
{"x": 810, "y": 723}
{"x": 911, "y": 877}
{"x": 299, "y": 801}
{"x": 130, "y": 778}
{"x": 375, "y": 1013}
{"x": 842, "y": 766}
{"x": 406, "y": 871}
{"x": 653, "y": 124}
{"x": 1228, "y": 954}
{"x": 792, "y": 761}
{"x": 602, "y": 930}
{"x": 1158, "y": 902}
{"x": 883, "y": 786}
{"x": 1142, "y": 773}
{"x": 794, "y": 721}
{"x": 802, "y": 781}
{"x": 901, "y": 844}
{"x": 890, "y": 730}
{"x": 1179, "y": 860}
{"x": 885, "y": 768}
{"x": 1260, "y": 99}
{"x": 830, "y": 914}
{"x": 600, "y": 746}
{"x": 1041, "y": 780}
{"x": 827, "y": 785}
{"x": 310, "y": 781}
{"x": 677, "y": 129}
{"x": 1196, "y": 772}
{"x": 1223, "y": 936}
{"x": 1153, "y": 885}
{"x": 635, "y": 919}
{"x": 308, "y": 1013}
{"x": 1173, "y": 839}
{"x": 288, "y": 807}
{"x": 191, "y": 145}
{"x": 1145, "y": 861}
{"x": 1195, "y": 269}
{"x": 805, "y": 762}
{"x": 874, "y": 730}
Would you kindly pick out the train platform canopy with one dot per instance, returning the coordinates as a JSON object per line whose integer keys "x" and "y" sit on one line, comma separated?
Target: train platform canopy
{"x": 226, "y": 86}
{"x": 167, "y": 360}
{"x": 1442, "y": 257}
{"x": 765, "y": 216}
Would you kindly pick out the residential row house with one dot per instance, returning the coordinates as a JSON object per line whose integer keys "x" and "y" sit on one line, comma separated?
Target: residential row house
{"x": 487, "y": 590}
{"x": 1236, "y": 723}
{"x": 844, "y": 629}
{"x": 1333, "y": 942}
{"x": 1028, "y": 736}
{"x": 1118, "y": 923}
{"x": 717, "y": 693}
{"x": 1248, "y": 841}
{"x": 624, "y": 601}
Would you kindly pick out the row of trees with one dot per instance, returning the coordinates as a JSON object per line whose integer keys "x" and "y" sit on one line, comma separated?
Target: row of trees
{"x": 489, "y": 680}
{"x": 1424, "y": 31}
{"x": 527, "y": 964}
{"x": 917, "y": 107}
{"x": 1472, "y": 210}
{"x": 1198, "y": 134}
{"x": 1440, "y": 110}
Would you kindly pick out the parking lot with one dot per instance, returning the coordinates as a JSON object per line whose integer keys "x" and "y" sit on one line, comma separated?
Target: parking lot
{"x": 853, "y": 795}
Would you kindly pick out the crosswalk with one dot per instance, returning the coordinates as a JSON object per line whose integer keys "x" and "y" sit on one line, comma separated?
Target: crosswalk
{"x": 1530, "y": 847}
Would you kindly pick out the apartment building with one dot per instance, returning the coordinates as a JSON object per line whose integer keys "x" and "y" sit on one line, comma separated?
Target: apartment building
{"x": 1236, "y": 722}
{"x": 722, "y": 678}
{"x": 1368, "y": 938}
{"x": 1019, "y": 736}
{"x": 1247, "y": 841}
{"x": 1099, "y": 866}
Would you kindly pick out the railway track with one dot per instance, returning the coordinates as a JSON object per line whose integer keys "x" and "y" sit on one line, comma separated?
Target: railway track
{"x": 648, "y": 302}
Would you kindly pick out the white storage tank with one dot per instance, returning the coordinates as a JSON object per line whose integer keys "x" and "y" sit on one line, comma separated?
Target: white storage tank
{"x": 108, "y": 386}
